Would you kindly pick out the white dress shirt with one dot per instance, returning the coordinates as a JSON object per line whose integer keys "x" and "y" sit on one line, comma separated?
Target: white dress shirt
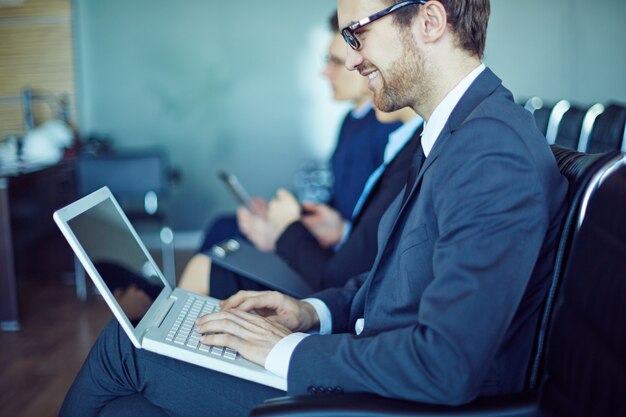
{"x": 439, "y": 118}
{"x": 278, "y": 359}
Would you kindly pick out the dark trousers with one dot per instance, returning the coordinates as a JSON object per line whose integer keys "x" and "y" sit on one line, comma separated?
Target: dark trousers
{"x": 119, "y": 380}
{"x": 225, "y": 283}
{"x": 222, "y": 228}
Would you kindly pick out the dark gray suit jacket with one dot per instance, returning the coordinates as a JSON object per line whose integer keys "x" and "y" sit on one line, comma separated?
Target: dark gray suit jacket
{"x": 452, "y": 301}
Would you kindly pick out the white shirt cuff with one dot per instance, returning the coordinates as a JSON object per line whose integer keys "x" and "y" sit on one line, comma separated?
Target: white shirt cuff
{"x": 323, "y": 313}
{"x": 277, "y": 362}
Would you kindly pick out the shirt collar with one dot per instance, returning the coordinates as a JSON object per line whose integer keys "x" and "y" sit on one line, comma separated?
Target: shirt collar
{"x": 399, "y": 137}
{"x": 439, "y": 118}
{"x": 361, "y": 112}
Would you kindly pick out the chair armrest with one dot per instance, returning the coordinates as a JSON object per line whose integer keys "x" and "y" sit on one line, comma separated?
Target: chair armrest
{"x": 369, "y": 405}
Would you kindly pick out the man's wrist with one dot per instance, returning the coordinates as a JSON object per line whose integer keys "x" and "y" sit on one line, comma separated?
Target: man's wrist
{"x": 278, "y": 359}
{"x": 309, "y": 317}
{"x": 323, "y": 316}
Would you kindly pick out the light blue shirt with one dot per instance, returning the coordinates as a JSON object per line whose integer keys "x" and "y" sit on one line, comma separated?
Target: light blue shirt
{"x": 361, "y": 112}
{"x": 397, "y": 139}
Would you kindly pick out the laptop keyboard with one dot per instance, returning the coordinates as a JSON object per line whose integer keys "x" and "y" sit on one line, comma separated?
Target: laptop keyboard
{"x": 182, "y": 331}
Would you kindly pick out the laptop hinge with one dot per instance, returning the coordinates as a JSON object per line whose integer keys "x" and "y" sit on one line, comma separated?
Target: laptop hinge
{"x": 166, "y": 309}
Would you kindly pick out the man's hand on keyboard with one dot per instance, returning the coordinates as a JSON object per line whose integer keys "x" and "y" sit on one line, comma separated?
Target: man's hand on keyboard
{"x": 296, "y": 315}
{"x": 252, "y": 335}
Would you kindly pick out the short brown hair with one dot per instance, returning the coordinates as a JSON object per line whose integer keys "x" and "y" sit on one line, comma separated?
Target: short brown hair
{"x": 468, "y": 19}
{"x": 333, "y": 22}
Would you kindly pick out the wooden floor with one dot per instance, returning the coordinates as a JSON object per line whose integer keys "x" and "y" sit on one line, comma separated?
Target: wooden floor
{"x": 38, "y": 363}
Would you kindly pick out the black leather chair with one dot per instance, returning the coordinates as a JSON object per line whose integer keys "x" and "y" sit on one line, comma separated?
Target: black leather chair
{"x": 583, "y": 371}
{"x": 568, "y": 133}
{"x": 608, "y": 130}
{"x": 541, "y": 113}
{"x": 556, "y": 117}
{"x": 542, "y": 117}
{"x": 139, "y": 180}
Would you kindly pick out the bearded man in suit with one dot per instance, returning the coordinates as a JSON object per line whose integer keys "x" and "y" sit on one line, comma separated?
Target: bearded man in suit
{"x": 449, "y": 309}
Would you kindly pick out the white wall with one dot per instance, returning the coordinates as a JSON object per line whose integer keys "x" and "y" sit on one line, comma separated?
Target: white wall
{"x": 236, "y": 85}
{"x": 219, "y": 84}
{"x": 560, "y": 49}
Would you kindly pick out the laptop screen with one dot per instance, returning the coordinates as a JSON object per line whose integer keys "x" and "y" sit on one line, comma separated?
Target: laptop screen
{"x": 118, "y": 258}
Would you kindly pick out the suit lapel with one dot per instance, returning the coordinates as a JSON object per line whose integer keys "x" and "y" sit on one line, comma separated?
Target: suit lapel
{"x": 376, "y": 187}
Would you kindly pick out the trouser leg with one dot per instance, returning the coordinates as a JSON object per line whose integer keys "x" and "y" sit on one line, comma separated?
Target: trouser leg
{"x": 115, "y": 369}
{"x": 131, "y": 406}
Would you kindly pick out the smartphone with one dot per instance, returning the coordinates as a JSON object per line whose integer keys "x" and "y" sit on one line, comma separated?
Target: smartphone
{"x": 239, "y": 193}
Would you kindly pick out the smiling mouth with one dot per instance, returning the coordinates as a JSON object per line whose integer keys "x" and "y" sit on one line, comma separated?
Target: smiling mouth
{"x": 372, "y": 75}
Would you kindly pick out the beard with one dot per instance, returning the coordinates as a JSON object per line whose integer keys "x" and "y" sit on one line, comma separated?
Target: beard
{"x": 405, "y": 83}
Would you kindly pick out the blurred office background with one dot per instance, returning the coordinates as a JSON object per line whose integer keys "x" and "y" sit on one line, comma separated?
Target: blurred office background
{"x": 220, "y": 85}
{"x": 237, "y": 85}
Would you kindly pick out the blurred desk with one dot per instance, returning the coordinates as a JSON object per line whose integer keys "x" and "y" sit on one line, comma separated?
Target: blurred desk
{"x": 28, "y": 197}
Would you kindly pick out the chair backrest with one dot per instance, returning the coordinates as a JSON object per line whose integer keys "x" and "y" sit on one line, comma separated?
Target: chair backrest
{"x": 556, "y": 117}
{"x": 585, "y": 362}
{"x": 137, "y": 179}
{"x": 542, "y": 118}
{"x": 608, "y": 130}
{"x": 588, "y": 122}
{"x": 579, "y": 169}
{"x": 570, "y": 127}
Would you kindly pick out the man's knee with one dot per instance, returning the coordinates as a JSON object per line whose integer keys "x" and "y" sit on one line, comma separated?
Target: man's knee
{"x": 131, "y": 406}
{"x": 112, "y": 331}
{"x": 113, "y": 340}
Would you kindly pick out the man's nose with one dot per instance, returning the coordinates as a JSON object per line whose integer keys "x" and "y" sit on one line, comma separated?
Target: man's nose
{"x": 326, "y": 72}
{"x": 353, "y": 59}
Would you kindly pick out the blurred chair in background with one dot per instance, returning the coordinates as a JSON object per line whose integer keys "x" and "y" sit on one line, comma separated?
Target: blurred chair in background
{"x": 541, "y": 112}
{"x": 568, "y": 133}
{"x": 554, "y": 121}
{"x": 588, "y": 122}
{"x": 139, "y": 180}
{"x": 608, "y": 130}
{"x": 596, "y": 130}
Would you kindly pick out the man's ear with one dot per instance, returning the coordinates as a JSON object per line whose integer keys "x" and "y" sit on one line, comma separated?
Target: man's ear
{"x": 434, "y": 21}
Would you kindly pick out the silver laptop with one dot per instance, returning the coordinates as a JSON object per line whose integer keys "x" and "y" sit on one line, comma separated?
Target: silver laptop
{"x": 155, "y": 316}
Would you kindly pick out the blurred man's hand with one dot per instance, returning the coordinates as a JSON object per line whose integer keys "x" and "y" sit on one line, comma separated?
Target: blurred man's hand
{"x": 283, "y": 210}
{"x": 325, "y": 223}
{"x": 257, "y": 229}
{"x": 259, "y": 206}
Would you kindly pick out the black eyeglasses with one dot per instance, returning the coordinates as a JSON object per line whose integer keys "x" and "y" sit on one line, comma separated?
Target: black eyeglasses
{"x": 348, "y": 32}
